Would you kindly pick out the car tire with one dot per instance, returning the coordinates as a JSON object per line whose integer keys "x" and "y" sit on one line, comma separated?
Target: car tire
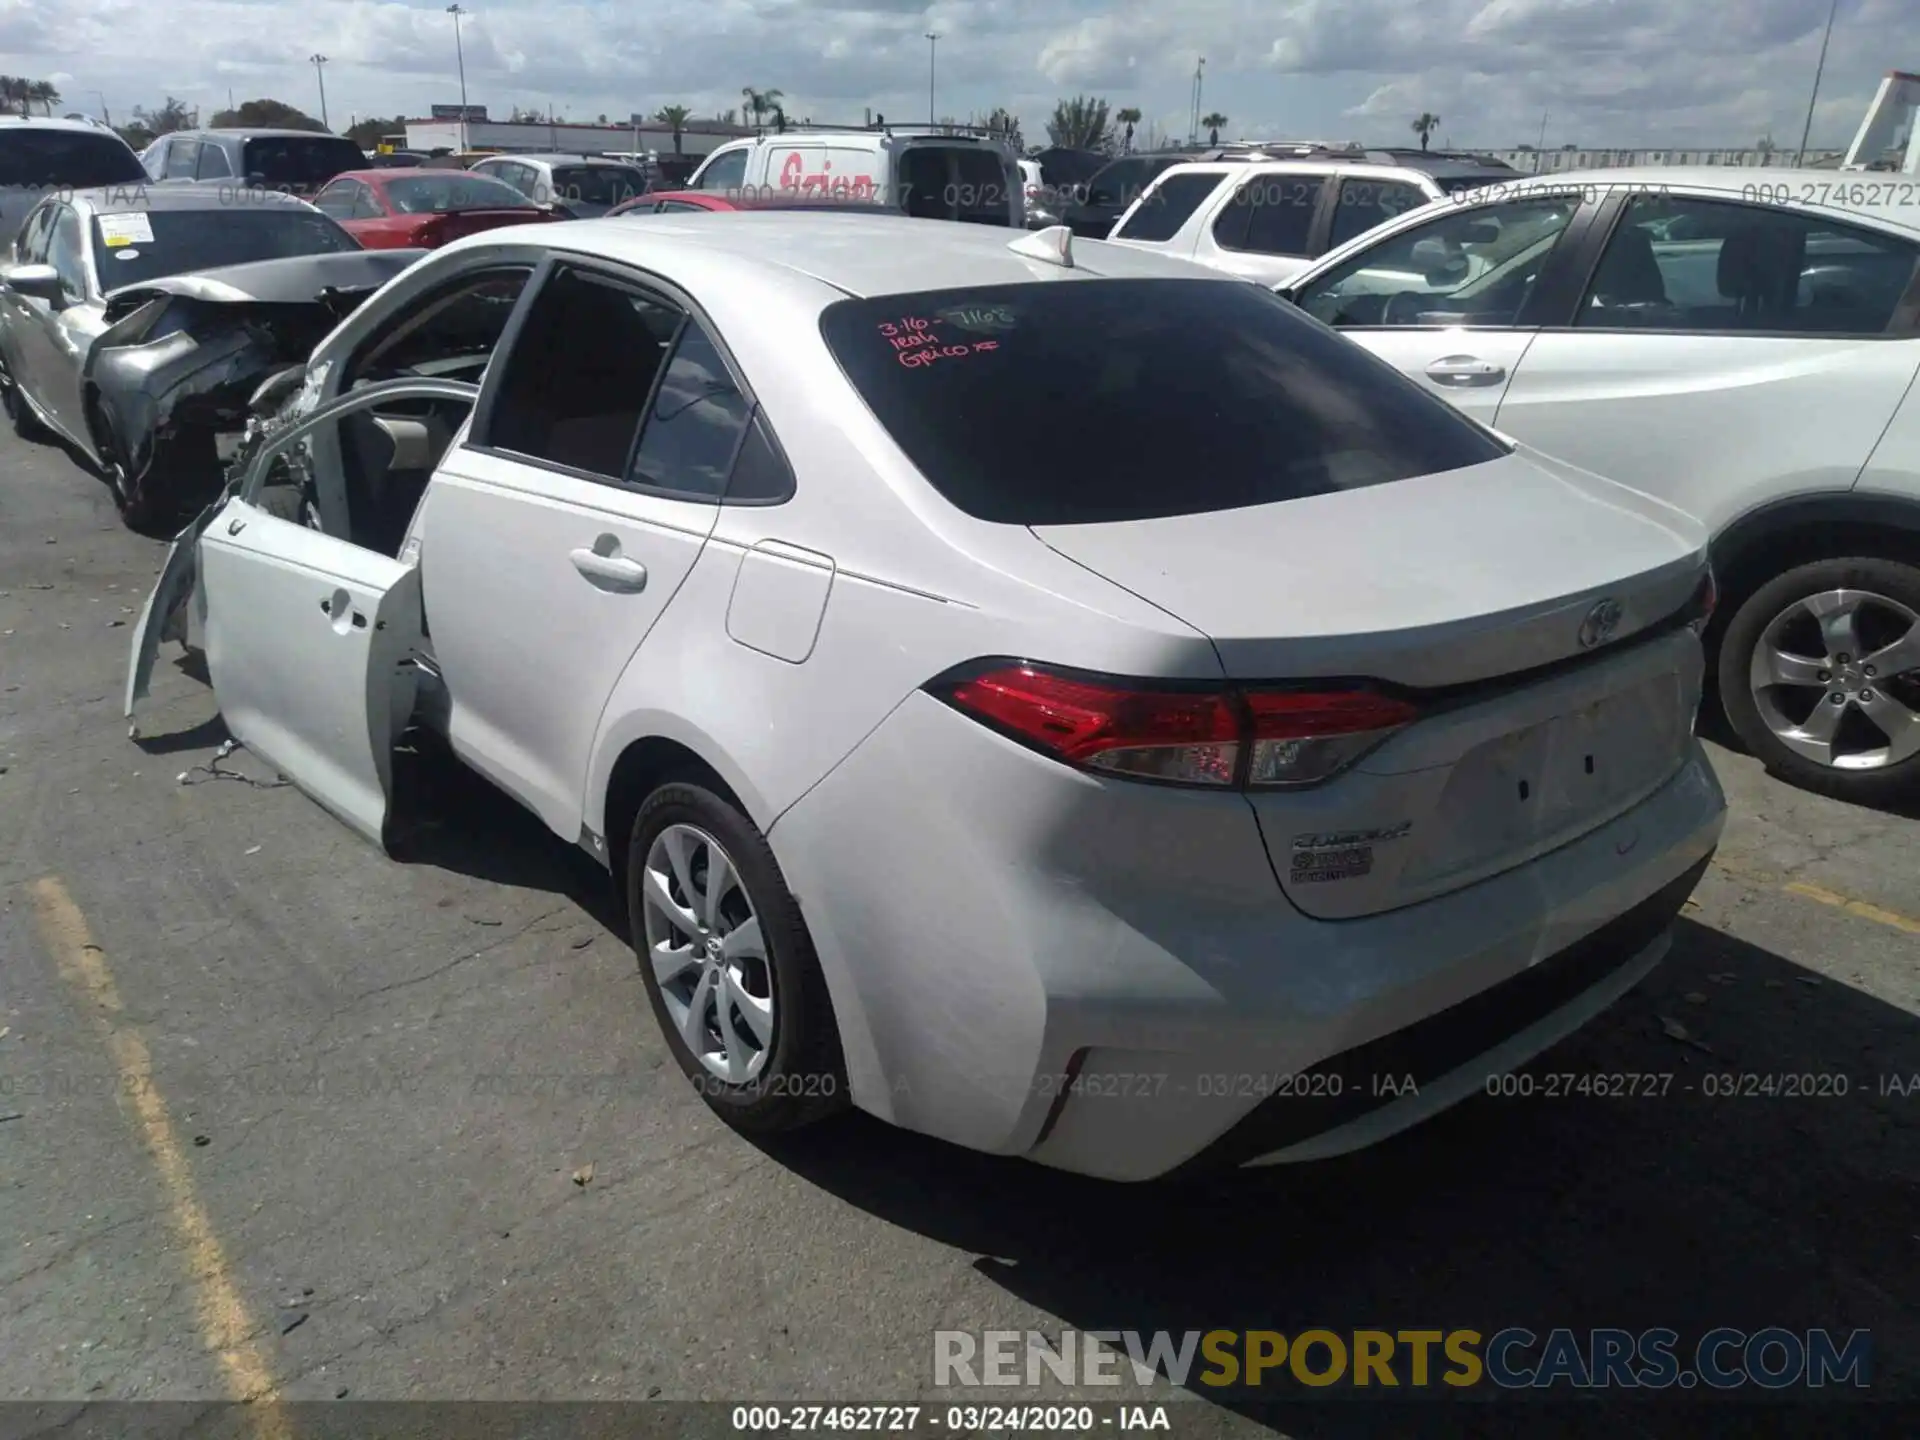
{"x": 1782, "y": 723}
{"x": 794, "y": 1073}
{"x": 133, "y": 496}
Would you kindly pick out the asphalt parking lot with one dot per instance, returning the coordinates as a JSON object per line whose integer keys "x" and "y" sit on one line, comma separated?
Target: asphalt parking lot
{"x": 283, "y": 1115}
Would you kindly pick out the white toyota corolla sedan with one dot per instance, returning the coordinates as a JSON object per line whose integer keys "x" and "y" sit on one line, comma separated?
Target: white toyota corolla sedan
{"x": 1052, "y": 697}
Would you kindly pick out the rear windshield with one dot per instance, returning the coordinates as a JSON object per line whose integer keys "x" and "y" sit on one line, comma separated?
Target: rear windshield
{"x": 955, "y": 182}
{"x": 435, "y": 192}
{"x": 1120, "y": 184}
{"x": 1069, "y": 167}
{"x": 142, "y": 245}
{"x": 1077, "y": 402}
{"x": 300, "y": 162}
{"x": 72, "y": 159}
{"x": 597, "y": 184}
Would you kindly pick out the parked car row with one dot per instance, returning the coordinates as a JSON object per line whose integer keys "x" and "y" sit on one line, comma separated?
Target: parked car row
{"x": 1082, "y": 773}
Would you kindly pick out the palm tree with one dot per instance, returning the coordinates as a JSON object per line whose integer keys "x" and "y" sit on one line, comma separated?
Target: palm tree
{"x": 46, "y": 92}
{"x": 1425, "y": 126}
{"x": 759, "y": 102}
{"x": 673, "y": 116}
{"x": 14, "y": 90}
{"x": 1128, "y": 117}
{"x": 1213, "y": 123}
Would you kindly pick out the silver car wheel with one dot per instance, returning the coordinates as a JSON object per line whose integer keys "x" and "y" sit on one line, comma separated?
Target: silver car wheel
{"x": 1834, "y": 678}
{"x": 704, "y": 943}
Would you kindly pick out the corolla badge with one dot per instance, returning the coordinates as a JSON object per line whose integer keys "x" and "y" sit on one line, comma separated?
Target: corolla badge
{"x": 1602, "y": 620}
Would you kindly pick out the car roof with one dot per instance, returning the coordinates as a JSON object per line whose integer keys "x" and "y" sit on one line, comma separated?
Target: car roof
{"x": 857, "y": 254}
{"x": 562, "y": 157}
{"x": 179, "y": 195}
{"x": 262, "y": 132}
{"x": 50, "y": 122}
{"x": 1802, "y": 188}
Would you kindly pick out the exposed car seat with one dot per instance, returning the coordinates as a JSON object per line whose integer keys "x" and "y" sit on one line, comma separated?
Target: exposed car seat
{"x": 1629, "y": 275}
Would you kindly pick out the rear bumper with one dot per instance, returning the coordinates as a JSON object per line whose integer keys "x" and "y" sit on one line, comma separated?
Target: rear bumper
{"x": 1107, "y": 978}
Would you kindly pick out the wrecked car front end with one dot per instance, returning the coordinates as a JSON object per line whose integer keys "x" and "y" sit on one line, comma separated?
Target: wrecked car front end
{"x": 173, "y": 375}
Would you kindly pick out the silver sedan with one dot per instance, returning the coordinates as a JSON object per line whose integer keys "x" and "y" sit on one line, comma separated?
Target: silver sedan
{"x": 84, "y": 266}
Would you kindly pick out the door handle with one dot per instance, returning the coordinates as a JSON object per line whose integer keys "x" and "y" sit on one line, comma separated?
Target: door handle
{"x": 1465, "y": 370}
{"x": 610, "y": 572}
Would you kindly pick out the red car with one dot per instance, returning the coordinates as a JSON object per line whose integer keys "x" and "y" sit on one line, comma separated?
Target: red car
{"x": 422, "y": 209}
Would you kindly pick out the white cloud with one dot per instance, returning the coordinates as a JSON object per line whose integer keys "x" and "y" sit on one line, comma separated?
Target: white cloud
{"x": 1615, "y": 72}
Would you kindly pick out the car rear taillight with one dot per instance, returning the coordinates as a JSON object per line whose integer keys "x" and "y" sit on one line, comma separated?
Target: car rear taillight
{"x": 1232, "y": 737}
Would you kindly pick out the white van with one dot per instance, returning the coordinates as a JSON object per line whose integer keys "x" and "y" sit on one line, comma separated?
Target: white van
{"x": 923, "y": 172}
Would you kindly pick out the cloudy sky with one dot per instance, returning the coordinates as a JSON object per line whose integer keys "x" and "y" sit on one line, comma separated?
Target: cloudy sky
{"x": 1600, "y": 72}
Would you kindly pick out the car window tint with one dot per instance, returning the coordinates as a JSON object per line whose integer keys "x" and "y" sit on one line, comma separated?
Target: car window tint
{"x": 451, "y": 331}
{"x": 760, "y": 472}
{"x": 727, "y": 172}
{"x": 1475, "y": 265}
{"x": 1678, "y": 263}
{"x": 1121, "y": 183}
{"x": 33, "y": 159}
{"x": 64, "y": 254}
{"x": 1166, "y": 207}
{"x": 579, "y": 373}
{"x": 336, "y": 200}
{"x": 299, "y": 161}
{"x": 693, "y": 430}
{"x": 1275, "y": 215}
{"x": 213, "y": 162}
{"x": 182, "y": 158}
{"x": 1188, "y": 396}
{"x": 366, "y": 204}
{"x": 1363, "y": 204}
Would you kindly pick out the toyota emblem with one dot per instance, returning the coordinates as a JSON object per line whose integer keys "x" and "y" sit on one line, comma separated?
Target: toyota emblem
{"x": 1602, "y": 620}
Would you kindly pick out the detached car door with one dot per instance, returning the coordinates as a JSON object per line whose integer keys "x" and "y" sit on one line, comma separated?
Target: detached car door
{"x": 1454, "y": 299}
{"x": 310, "y": 639}
{"x": 1725, "y": 354}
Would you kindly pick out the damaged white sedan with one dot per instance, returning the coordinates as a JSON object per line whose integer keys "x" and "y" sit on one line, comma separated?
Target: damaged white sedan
{"x": 1055, "y": 698}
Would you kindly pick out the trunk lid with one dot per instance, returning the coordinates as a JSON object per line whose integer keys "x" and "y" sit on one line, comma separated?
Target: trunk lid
{"x": 1477, "y": 585}
{"x": 1435, "y": 581}
{"x": 454, "y": 224}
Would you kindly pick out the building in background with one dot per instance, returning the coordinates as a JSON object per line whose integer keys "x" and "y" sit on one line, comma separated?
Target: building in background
{"x": 452, "y": 133}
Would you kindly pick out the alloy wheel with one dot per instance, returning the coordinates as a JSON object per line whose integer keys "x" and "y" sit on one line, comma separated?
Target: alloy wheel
{"x": 1836, "y": 678}
{"x": 708, "y": 956}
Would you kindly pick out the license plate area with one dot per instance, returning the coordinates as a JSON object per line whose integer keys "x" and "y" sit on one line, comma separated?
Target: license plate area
{"x": 1535, "y": 788}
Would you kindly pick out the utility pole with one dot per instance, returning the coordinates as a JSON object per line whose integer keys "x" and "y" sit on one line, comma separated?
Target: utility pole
{"x": 1193, "y": 120}
{"x": 1807, "y": 132}
{"x": 100, "y": 95}
{"x": 320, "y": 74}
{"x": 933, "y": 49}
{"x": 460, "y": 58}
{"x": 1543, "y": 130}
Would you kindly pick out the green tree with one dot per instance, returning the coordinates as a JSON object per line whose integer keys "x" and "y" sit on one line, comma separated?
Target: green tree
{"x": 171, "y": 116}
{"x": 266, "y": 114}
{"x": 1424, "y": 125}
{"x": 45, "y": 93}
{"x": 1004, "y": 126}
{"x": 1213, "y": 123}
{"x": 1128, "y": 117}
{"x": 1082, "y": 123}
{"x": 675, "y": 118}
{"x": 371, "y": 131}
{"x": 759, "y": 102}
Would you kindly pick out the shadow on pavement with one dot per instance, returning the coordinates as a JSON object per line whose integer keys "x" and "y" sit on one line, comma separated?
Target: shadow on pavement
{"x": 1678, "y": 1209}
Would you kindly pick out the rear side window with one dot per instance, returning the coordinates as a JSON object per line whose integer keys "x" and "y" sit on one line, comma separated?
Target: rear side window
{"x": 694, "y": 429}
{"x": 1187, "y": 396}
{"x": 1270, "y": 215}
{"x": 727, "y": 172}
{"x": 951, "y": 182}
{"x": 70, "y": 159}
{"x": 1166, "y": 207}
{"x": 300, "y": 162}
{"x": 580, "y": 373}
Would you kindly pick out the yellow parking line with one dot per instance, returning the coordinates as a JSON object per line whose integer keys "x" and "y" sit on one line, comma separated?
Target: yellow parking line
{"x": 1854, "y": 907}
{"x": 225, "y": 1324}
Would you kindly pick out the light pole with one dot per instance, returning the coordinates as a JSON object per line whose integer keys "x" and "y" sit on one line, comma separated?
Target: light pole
{"x": 933, "y": 48}
{"x": 321, "y": 75}
{"x": 1832, "y": 10}
{"x": 460, "y": 58}
{"x": 101, "y": 97}
{"x": 1199, "y": 80}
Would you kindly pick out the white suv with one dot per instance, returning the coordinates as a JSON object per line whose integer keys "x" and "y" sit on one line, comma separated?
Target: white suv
{"x": 975, "y": 773}
{"x": 1267, "y": 220}
{"x": 1745, "y": 346}
{"x": 38, "y": 155}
